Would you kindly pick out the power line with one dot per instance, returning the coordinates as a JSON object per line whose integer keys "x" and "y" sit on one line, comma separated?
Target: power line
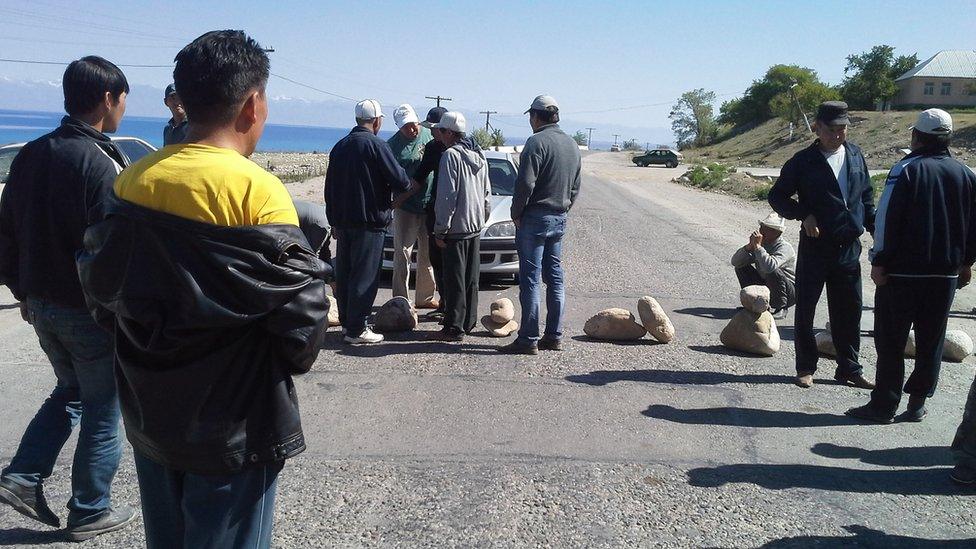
{"x": 297, "y": 83}
{"x": 127, "y": 65}
{"x": 438, "y": 98}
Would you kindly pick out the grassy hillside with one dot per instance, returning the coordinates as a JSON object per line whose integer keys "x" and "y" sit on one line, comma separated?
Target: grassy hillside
{"x": 879, "y": 134}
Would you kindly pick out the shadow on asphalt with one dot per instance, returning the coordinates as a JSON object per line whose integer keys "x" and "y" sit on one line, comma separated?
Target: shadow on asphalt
{"x": 746, "y": 417}
{"x": 867, "y": 538}
{"x": 23, "y": 536}
{"x": 676, "y": 377}
{"x": 716, "y": 313}
{"x": 622, "y": 342}
{"x": 722, "y": 350}
{"x": 921, "y": 456}
{"x": 905, "y": 482}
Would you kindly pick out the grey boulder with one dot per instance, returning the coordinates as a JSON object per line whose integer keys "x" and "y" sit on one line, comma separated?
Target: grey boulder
{"x": 614, "y": 325}
{"x": 755, "y": 298}
{"x": 655, "y": 320}
{"x": 499, "y": 329}
{"x": 333, "y": 311}
{"x": 396, "y": 315}
{"x": 751, "y": 332}
{"x": 958, "y": 346}
{"x": 502, "y": 310}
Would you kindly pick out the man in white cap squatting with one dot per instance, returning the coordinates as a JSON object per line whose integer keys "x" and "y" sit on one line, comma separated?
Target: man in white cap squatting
{"x": 360, "y": 181}
{"x": 409, "y": 214}
{"x": 769, "y": 260}
{"x": 924, "y": 248}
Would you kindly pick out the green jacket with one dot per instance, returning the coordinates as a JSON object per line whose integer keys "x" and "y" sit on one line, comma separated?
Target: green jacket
{"x": 409, "y": 154}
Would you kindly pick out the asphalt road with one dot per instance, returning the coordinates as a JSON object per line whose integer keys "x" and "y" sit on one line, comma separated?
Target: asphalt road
{"x": 413, "y": 444}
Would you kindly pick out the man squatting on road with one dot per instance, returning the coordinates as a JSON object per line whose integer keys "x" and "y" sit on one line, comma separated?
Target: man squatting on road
{"x": 769, "y": 260}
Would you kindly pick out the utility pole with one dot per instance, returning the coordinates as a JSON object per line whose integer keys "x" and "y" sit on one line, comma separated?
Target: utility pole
{"x": 615, "y": 136}
{"x": 797, "y": 101}
{"x": 487, "y": 118}
{"x": 589, "y": 140}
{"x": 439, "y": 99}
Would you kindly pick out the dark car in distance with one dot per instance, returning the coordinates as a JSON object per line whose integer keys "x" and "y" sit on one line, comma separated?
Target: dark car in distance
{"x": 665, "y": 157}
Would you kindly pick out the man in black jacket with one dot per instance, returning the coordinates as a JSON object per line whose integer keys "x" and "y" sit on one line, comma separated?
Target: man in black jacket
{"x": 58, "y": 185}
{"x": 924, "y": 248}
{"x": 360, "y": 181}
{"x": 216, "y": 301}
{"x": 835, "y": 202}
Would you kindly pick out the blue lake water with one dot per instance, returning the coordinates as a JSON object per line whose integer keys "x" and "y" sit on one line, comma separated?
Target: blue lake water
{"x": 18, "y": 126}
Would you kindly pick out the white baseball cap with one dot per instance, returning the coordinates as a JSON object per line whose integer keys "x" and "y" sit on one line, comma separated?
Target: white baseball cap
{"x": 934, "y": 121}
{"x": 774, "y": 221}
{"x": 454, "y": 121}
{"x": 368, "y": 109}
{"x": 404, "y": 114}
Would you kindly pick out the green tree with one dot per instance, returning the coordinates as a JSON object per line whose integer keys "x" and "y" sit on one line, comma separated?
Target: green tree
{"x": 580, "y": 138}
{"x": 482, "y": 138}
{"x": 870, "y": 76}
{"x": 809, "y": 95}
{"x": 497, "y": 138}
{"x": 693, "y": 118}
{"x": 756, "y": 104}
{"x": 631, "y": 145}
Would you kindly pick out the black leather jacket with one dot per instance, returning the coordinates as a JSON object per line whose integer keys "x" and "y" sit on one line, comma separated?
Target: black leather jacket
{"x": 210, "y": 324}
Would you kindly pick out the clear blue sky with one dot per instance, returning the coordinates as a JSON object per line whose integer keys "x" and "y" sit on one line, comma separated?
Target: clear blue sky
{"x": 592, "y": 56}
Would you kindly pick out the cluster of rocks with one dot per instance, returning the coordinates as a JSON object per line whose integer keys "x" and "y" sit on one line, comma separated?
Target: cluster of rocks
{"x": 957, "y": 346}
{"x": 294, "y": 165}
{"x": 752, "y": 330}
{"x": 500, "y": 321}
{"x": 617, "y": 324}
{"x": 333, "y": 311}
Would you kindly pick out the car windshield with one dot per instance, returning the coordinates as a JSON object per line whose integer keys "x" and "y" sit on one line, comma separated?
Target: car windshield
{"x": 502, "y": 174}
{"x": 6, "y": 159}
{"x": 135, "y": 150}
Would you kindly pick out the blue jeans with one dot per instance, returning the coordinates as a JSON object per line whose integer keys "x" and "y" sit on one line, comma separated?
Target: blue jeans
{"x": 539, "y": 240}
{"x": 82, "y": 355}
{"x": 187, "y": 510}
{"x": 359, "y": 256}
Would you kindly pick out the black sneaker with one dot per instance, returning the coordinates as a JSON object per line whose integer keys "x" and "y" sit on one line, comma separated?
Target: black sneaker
{"x": 28, "y": 501}
{"x": 114, "y": 519}
{"x": 869, "y": 413}
{"x": 550, "y": 344}
{"x": 915, "y": 412}
{"x": 448, "y": 335}
{"x": 516, "y": 348}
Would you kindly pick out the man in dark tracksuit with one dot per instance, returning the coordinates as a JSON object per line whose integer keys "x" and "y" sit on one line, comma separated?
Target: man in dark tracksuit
{"x": 359, "y": 185}
{"x": 924, "y": 248}
{"x": 835, "y": 202}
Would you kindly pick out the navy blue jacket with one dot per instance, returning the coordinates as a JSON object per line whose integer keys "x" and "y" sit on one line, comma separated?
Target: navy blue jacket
{"x": 926, "y": 222}
{"x": 57, "y": 187}
{"x": 808, "y": 176}
{"x": 360, "y": 181}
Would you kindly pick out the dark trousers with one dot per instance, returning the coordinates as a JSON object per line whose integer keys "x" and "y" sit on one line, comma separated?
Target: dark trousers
{"x": 822, "y": 264}
{"x": 899, "y": 304}
{"x": 462, "y": 267}
{"x": 187, "y": 510}
{"x": 359, "y": 256}
{"x": 782, "y": 290}
{"x": 964, "y": 443}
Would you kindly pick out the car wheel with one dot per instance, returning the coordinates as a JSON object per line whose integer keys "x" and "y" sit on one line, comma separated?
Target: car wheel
{"x": 672, "y": 164}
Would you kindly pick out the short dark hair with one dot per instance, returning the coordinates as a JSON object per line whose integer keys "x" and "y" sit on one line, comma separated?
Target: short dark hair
{"x": 85, "y": 82}
{"x": 215, "y": 72}
{"x": 549, "y": 117}
{"x": 931, "y": 141}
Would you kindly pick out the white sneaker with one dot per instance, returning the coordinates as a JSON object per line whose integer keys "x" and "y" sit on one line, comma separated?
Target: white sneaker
{"x": 368, "y": 336}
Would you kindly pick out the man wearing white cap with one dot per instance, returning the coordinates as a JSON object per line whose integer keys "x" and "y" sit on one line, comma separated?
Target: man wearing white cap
{"x": 924, "y": 249}
{"x": 463, "y": 206}
{"x": 768, "y": 260}
{"x": 360, "y": 181}
{"x": 409, "y": 215}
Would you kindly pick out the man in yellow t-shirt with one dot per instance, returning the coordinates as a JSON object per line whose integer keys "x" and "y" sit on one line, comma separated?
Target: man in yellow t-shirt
{"x": 215, "y": 307}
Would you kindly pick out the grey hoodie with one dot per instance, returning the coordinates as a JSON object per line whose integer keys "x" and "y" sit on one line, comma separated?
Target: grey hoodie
{"x": 463, "y": 193}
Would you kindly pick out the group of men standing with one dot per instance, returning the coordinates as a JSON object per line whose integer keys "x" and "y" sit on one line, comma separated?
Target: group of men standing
{"x": 430, "y": 182}
{"x": 924, "y": 230}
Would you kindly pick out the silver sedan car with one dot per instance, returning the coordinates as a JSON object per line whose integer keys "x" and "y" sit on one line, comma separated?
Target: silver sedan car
{"x": 498, "y": 253}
